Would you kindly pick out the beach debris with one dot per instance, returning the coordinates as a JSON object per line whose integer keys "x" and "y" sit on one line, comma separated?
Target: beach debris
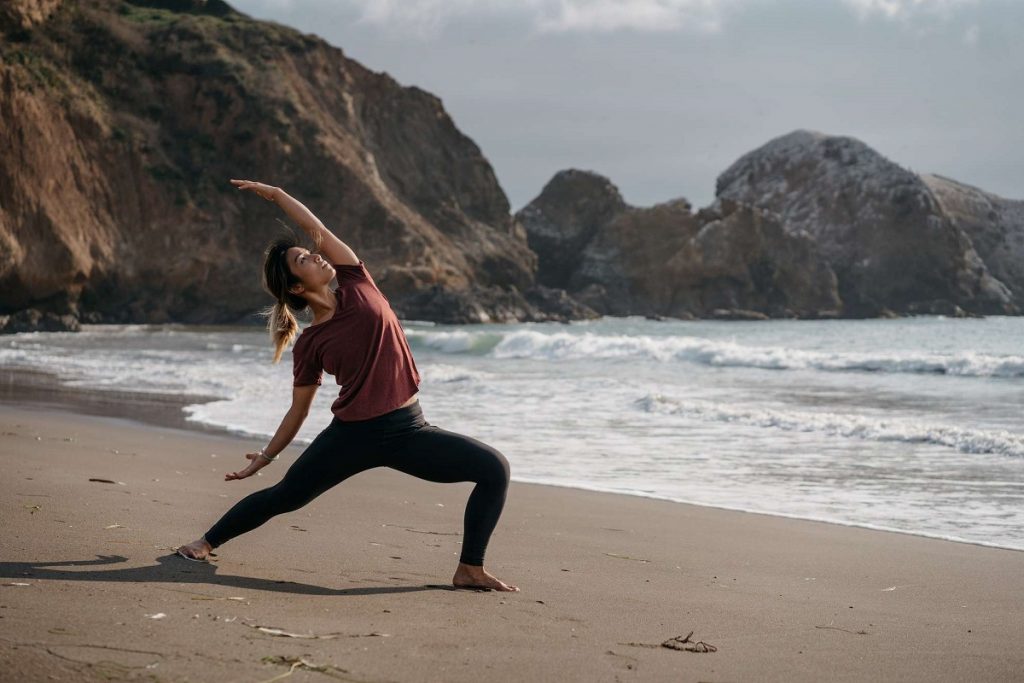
{"x": 627, "y": 557}
{"x": 861, "y": 632}
{"x": 114, "y": 526}
{"x": 681, "y": 643}
{"x": 272, "y": 631}
{"x": 106, "y": 481}
{"x": 297, "y": 528}
{"x": 890, "y": 588}
{"x": 32, "y": 508}
{"x": 294, "y": 663}
{"x": 16, "y": 583}
{"x": 158, "y": 615}
{"x": 215, "y": 597}
{"x": 421, "y": 531}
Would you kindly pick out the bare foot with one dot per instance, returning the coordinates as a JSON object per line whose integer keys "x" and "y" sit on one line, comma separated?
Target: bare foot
{"x": 196, "y": 550}
{"x": 471, "y": 576}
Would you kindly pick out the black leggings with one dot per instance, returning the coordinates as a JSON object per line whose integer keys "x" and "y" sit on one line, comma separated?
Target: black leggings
{"x": 401, "y": 440}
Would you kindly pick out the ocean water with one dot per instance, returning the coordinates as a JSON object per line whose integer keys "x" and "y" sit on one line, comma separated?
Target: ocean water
{"x": 912, "y": 425}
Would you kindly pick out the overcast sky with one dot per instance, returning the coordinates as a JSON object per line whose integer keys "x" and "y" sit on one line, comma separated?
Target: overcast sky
{"x": 663, "y": 95}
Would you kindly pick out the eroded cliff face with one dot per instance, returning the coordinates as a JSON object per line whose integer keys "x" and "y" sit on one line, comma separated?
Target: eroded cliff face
{"x": 729, "y": 260}
{"x": 879, "y": 227}
{"x": 994, "y": 224}
{"x": 121, "y": 123}
{"x": 808, "y": 225}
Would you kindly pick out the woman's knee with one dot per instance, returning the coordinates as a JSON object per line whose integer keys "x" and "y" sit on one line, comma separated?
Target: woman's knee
{"x": 498, "y": 470}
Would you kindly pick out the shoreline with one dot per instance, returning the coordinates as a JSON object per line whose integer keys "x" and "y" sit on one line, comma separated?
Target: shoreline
{"x": 605, "y": 578}
{"x": 165, "y": 410}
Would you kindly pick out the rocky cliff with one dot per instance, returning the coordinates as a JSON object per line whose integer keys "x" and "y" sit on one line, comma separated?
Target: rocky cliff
{"x": 121, "y": 122}
{"x": 892, "y": 242}
{"x": 729, "y": 260}
{"x": 995, "y": 226}
{"x": 807, "y": 225}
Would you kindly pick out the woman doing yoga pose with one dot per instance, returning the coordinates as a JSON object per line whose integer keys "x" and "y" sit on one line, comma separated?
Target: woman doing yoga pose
{"x": 356, "y": 337}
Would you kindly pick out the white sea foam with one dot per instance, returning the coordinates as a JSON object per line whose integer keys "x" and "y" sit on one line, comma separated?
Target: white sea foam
{"x": 445, "y": 374}
{"x": 965, "y": 440}
{"x": 532, "y": 344}
{"x": 931, "y": 463}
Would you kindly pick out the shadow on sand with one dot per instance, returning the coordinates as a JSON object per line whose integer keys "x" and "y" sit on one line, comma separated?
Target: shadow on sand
{"x": 174, "y": 569}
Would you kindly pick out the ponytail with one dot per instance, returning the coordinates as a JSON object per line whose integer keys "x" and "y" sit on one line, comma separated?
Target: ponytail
{"x": 277, "y": 280}
{"x": 283, "y": 327}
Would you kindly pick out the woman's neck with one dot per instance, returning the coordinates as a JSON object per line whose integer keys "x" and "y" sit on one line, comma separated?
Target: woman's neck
{"x": 322, "y": 303}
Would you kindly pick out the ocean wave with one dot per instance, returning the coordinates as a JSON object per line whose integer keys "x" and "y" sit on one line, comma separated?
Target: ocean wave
{"x": 454, "y": 341}
{"x": 445, "y": 374}
{"x": 530, "y": 344}
{"x": 848, "y": 426}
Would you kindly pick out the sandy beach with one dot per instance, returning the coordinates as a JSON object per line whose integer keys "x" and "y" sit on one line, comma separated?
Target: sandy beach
{"x": 92, "y": 591}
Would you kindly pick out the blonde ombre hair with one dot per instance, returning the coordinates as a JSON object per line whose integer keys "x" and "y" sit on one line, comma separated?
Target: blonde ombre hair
{"x": 278, "y": 279}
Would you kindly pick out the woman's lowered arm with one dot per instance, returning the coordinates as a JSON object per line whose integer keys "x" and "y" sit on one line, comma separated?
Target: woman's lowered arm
{"x": 302, "y": 398}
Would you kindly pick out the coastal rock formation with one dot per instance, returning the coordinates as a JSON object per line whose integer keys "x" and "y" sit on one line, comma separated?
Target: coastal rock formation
{"x": 995, "y": 226}
{"x": 24, "y": 14}
{"x": 729, "y": 260}
{"x": 122, "y": 120}
{"x": 121, "y": 123}
{"x": 879, "y": 227}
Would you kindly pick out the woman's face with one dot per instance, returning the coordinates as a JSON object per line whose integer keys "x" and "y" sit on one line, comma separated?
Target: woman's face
{"x": 311, "y": 269}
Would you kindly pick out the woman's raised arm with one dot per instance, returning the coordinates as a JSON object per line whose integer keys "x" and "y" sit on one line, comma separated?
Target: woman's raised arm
{"x": 327, "y": 243}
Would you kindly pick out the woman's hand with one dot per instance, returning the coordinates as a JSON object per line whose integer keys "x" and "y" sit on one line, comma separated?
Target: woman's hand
{"x": 257, "y": 463}
{"x": 262, "y": 189}
{"x": 327, "y": 243}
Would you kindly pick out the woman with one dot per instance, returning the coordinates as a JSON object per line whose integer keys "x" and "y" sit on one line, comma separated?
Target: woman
{"x": 377, "y": 420}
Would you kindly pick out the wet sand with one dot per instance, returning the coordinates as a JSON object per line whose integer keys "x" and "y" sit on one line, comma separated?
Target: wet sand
{"x": 365, "y": 570}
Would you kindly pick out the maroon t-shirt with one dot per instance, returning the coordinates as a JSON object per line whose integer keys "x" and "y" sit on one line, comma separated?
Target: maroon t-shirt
{"x": 363, "y": 346}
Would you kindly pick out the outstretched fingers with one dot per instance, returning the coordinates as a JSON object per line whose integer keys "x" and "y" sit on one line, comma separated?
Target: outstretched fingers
{"x": 254, "y": 467}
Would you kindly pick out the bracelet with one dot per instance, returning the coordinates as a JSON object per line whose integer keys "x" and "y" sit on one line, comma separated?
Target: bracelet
{"x": 263, "y": 454}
